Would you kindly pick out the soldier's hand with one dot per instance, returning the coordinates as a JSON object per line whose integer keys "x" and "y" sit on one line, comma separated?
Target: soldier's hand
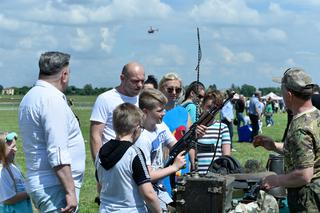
{"x": 264, "y": 141}
{"x": 270, "y": 182}
{"x": 201, "y": 130}
{"x": 179, "y": 161}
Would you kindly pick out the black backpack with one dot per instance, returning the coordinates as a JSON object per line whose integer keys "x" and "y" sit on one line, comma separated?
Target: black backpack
{"x": 226, "y": 165}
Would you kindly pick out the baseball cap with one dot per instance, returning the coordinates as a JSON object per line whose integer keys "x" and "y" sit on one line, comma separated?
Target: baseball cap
{"x": 297, "y": 80}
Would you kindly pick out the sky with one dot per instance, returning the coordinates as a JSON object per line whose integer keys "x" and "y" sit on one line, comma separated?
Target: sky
{"x": 242, "y": 41}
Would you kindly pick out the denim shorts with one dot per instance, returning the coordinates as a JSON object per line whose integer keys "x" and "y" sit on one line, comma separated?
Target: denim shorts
{"x": 51, "y": 199}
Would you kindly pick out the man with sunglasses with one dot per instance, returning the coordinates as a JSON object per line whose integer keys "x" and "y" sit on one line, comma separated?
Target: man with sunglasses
{"x": 301, "y": 148}
{"x": 101, "y": 128}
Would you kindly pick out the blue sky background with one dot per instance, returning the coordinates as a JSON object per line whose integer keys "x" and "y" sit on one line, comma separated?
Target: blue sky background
{"x": 243, "y": 41}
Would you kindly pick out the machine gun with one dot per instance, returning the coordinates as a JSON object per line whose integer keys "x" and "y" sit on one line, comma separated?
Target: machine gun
{"x": 188, "y": 139}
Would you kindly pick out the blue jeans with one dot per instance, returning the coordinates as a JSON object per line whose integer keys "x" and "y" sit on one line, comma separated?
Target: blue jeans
{"x": 51, "y": 199}
{"x": 269, "y": 120}
{"x": 240, "y": 118}
{"x": 21, "y": 206}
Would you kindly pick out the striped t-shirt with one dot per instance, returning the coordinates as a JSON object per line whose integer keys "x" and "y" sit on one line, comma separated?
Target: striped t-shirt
{"x": 211, "y": 138}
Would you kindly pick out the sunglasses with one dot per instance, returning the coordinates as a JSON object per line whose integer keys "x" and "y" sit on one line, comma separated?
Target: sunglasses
{"x": 171, "y": 89}
{"x": 200, "y": 96}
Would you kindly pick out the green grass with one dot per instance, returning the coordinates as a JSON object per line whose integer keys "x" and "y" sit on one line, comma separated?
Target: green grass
{"x": 245, "y": 151}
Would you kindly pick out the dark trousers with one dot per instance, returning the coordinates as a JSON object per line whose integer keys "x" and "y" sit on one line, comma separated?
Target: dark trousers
{"x": 255, "y": 125}
{"x": 230, "y": 127}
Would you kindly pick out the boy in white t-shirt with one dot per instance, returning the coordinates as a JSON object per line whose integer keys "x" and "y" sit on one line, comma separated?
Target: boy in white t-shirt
{"x": 152, "y": 140}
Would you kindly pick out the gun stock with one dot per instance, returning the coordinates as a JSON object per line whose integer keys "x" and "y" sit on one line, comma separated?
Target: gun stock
{"x": 184, "y": 144}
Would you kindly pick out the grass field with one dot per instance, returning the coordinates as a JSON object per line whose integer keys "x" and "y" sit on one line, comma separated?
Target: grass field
{"x": 9, "y": 122}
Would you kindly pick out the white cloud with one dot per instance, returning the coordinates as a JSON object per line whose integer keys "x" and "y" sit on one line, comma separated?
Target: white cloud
{"x": 266, "y": 70}
{"x": 306, "y": 53}
{"x": 26, "y": 43}
{"x": 271, "y": 34}
{"x": 255, "y": 38}
{"x": 290, "y": 62}
{"x": 172, "y": 51}
{"x": 234, "y": 58}
{"x": 167, "y": 54}
{"x": 108, "y": 39}
{"x": 37, "y": 40}
{"x": 274, "y": 34}
{"x": 275, "y": 8}
{"x": 312, "y": 3}
{"x": 60, "y": 12}
{"x": 81, "y": 41}
{"x": 156, "y": 60}
{"x": 225, "y": 11}
{"x": 8, "y": 24}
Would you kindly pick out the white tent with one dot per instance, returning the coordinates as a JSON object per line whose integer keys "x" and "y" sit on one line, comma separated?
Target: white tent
{"x": 272, "y": 96}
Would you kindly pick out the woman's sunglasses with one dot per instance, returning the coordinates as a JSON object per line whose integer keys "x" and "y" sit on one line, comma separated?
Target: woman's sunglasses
{"x": 171, "y": 89}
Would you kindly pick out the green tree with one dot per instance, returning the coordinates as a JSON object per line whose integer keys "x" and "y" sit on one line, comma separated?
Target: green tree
{"x": 266, "y": 90}
{"x": 22, "y": 90}
{"x": 247, "y": 90}
{"x": 88, "y": 90}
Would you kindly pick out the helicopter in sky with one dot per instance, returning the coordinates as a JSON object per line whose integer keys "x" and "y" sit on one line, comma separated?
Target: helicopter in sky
{"x": 152, "y": 30}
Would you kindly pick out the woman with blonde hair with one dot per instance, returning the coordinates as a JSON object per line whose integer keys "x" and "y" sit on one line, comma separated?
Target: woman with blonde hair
{"x": 177, "y": 117}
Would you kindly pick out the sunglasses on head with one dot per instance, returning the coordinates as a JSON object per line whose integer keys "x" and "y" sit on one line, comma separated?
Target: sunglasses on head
{"x": 171, "y": 89}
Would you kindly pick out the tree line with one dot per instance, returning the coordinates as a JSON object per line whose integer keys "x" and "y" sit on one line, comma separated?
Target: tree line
{"x": 88, "y": 89}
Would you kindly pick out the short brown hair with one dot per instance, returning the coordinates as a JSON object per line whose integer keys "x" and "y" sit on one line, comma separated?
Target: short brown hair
{"x": 216, "y": 96}
{"x": 126, "y": 117}
{"x": 149, "y": 98}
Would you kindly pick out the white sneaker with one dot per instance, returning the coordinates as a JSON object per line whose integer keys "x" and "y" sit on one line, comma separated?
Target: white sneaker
{"x": 268, "y": 125}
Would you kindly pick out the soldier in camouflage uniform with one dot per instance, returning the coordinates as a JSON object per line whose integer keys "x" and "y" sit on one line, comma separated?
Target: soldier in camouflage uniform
{"x": 301, "y": 148}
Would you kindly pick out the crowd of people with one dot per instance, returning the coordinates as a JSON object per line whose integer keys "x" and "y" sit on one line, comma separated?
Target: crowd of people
{"x": 132, "y": 129}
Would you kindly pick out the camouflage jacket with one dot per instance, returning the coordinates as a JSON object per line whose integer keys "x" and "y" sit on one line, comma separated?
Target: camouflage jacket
{"x": 302, "y": 144}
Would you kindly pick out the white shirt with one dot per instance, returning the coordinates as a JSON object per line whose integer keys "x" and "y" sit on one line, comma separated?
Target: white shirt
{"x": 103, "y": 109}
{"x": 151, "y": 143}
{"x": 51, "y": 136}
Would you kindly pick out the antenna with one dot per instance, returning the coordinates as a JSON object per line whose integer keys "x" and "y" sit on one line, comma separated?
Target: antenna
{"x": 197, "y": 89}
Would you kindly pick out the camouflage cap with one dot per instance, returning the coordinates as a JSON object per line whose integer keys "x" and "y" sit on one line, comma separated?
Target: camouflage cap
{"x": 296, "y": 80}
{"x": 51, "y": 63}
